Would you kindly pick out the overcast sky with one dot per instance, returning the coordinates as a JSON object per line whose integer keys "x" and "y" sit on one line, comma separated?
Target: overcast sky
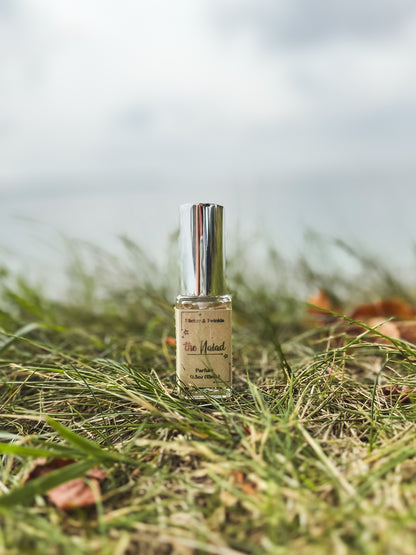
{"x": 256, "y": 99}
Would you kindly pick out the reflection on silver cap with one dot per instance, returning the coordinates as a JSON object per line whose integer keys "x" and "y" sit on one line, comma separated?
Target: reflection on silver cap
{"x": 202, "y": 250}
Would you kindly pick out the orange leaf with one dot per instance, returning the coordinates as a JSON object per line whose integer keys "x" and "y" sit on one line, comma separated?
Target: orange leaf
{"x": 243, "y": 483}
{"x": 322, "y": 303}
{"x": 78, "y": 493}
{"x": 321, "y": 300}
{"x": 73, "y": 494}
{"x": 170, "y": 341}
{"x": 388, "y": 307}
{"x": 386, "y": 328}
{"x": 407, "y": 329}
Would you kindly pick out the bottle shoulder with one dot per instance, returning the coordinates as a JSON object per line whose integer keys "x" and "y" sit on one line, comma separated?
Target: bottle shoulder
{"x": 200, "y": 303}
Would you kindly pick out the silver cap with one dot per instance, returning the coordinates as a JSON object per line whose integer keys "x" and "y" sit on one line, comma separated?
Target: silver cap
{"x": 202, "y": 250}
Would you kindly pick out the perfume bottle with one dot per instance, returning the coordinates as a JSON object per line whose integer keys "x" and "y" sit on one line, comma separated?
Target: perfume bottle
{"x": 203, "y": 309}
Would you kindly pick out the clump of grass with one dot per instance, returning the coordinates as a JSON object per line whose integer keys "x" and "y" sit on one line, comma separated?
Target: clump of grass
{"x": 314, "y": 453}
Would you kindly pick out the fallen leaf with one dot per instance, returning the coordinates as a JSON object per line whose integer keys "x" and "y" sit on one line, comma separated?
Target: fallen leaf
{"x": 44, "y": 466}
{"x": 386, "y": 328}
{"x": 243, "y": 483}
{"x": 407, "y": 329}
{"x": 403, "y": 393}
{"x": 76, "y": 493}
{"x": 384, "y": 308}
{"x": 373, "y": 315}
{"x": 320, "y": 301}
{"x": 170, "y": 341}
{"x": 318, "y": 306}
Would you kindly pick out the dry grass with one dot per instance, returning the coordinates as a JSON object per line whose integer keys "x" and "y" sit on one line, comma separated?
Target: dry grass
{"x": 315, "y": 452}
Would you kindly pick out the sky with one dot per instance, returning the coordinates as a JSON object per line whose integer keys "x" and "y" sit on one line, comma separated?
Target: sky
{"x": 293, "y": 114}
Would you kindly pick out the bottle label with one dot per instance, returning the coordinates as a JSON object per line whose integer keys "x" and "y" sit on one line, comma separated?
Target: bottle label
{"x": 203, "y": 347}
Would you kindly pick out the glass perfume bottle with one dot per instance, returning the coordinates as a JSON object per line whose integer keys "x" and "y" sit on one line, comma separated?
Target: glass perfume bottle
{"x": 203, "y": 309}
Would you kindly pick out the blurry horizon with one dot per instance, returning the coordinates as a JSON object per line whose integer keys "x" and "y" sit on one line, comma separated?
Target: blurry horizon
{"x": 294, "y": 115}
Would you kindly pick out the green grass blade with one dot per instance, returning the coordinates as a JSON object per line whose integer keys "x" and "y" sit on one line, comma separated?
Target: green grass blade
{"x": 90, "y": 448}
{"x": 20, "y": 333}
{"x": 24, "y": 451}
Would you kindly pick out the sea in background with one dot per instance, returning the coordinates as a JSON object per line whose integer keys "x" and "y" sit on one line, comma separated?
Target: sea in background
{"x": 41, "y": 226}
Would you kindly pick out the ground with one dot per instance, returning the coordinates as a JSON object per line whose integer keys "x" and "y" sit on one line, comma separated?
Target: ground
{"x": 315, "y": 451}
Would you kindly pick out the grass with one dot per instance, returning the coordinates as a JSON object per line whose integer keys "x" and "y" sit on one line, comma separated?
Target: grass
{"x": 312, "y": 454}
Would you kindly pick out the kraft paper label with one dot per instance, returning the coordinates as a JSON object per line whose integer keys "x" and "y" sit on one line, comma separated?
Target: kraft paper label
{"x": 203, "y": 347}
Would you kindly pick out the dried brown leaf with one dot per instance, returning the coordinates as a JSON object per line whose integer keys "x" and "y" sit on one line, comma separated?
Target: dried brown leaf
{"x": 43, "y": 466}
{"x": 321, "y": 304}
{"x": 386, "y": 328}
{"x": 385, "y": 308}
{"x": 171, "y": 341}
{"x": 73, "y": 494}
{"x": 244, "y": 483}
{"x": 403, "y": 393}
{"x": 407, "y": 329}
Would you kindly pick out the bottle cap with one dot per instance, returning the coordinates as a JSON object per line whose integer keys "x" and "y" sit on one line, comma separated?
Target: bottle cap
{"x": 202, "y": 250}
